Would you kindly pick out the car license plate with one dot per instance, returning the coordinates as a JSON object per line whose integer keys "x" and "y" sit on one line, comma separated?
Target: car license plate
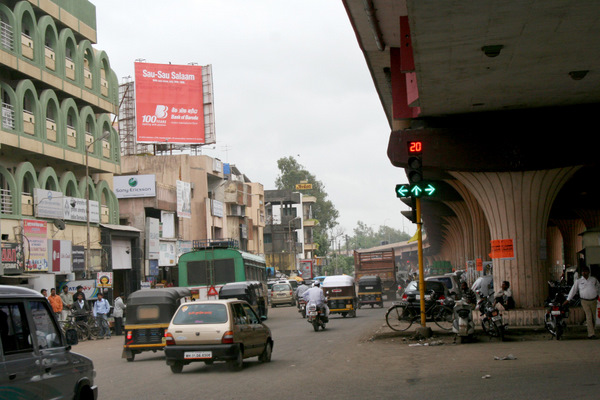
{"x": 369, "y": 287}
{"x": 197, "y": 354}
{"x": 555, "y": 312}
{"x": 312, "y": 313}
{"x": 427, "y": 297}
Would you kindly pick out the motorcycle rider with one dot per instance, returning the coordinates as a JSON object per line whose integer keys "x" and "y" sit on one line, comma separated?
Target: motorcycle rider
{"x": 316, "y": 295}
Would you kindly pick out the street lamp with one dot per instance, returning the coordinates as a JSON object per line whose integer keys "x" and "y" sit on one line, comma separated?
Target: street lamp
{"x": 87, "y": 199}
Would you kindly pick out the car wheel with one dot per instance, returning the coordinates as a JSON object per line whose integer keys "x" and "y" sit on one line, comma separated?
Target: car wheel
{"x": 273, "y": 305}
{"x": 238, "y": 363}
{"x": 266, "y": 354}
{"x": 131, "y": 357}
{"x": 177, "y": 367}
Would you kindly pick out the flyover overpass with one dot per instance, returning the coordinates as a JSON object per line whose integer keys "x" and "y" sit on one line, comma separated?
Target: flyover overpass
{"x": 504, "y": 96}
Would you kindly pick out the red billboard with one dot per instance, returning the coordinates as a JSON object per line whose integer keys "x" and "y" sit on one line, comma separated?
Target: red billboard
{"x": 169, "y": 103}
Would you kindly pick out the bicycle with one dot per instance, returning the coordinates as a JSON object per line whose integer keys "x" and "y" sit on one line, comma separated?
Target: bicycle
{"x": 96, "y": 325}
{"x": 400, "y": 316}
{"x": 83, "y": 331}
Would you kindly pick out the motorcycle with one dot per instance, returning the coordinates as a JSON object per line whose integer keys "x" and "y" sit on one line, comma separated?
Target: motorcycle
{"x": 316, "y": 316}
{"x": 302, "y": 307}
{"x": 491, "y": 319}
{"x": 463, "y": 325}
{"x": 556, "y": 316}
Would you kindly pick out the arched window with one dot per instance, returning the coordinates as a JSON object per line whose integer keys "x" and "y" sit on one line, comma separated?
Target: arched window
{"x": 88, "y": 65}
{"x": 49, "y": 50}
{"x": 27, "y": 29}
{"x": 69, "y": 63}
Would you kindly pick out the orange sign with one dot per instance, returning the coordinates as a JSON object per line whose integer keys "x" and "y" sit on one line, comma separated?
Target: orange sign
{"x": 212, "y": 291}
{"x": 502, "y": 248}
{"x": 479, "y": 264}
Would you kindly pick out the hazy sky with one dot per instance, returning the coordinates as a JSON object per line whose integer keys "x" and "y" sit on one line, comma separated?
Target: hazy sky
{"x": 289, "y": 80}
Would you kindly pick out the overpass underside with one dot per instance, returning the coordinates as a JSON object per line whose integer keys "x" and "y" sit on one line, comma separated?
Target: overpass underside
{"x": 504, "y": 97}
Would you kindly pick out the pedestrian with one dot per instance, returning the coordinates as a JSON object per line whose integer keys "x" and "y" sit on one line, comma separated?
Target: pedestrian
{"x": 79, "y": 291}
{"x": 44, "y": 293}
{"x": 101, "y": 310}
{"x": 504, "y": 296}
{"x": 80, "y": 308}
{"x": 67, "y": 299}
{"x": 588, "y": 289}
{"x": 55, "y": 302}
{"x": 118, "y": 314}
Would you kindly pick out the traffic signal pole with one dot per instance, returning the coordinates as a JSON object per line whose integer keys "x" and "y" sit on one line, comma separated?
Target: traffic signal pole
{"x": 420, "y": 253}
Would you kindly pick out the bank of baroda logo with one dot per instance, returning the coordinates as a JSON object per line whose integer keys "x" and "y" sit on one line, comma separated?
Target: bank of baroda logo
{"x": 160, "y": 115}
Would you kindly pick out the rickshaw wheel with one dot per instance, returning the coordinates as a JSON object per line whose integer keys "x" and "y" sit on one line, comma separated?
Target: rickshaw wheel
{"x": 372, "y": 305}
{"x": 344, "y": 314}
{"x": 131, "y": 357}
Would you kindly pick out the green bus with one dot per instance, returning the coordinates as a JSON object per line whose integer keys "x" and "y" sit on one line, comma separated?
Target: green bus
{"x": 215, "y": 263}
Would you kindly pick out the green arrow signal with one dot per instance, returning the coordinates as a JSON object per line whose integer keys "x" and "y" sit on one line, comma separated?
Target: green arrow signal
{"x": 416, "y": 190}
{"x": 402, "y": 190}
{"x": 430, "y": 189}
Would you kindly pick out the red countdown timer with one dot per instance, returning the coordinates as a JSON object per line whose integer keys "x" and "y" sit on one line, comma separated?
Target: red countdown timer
{"x": 415, "y": 147}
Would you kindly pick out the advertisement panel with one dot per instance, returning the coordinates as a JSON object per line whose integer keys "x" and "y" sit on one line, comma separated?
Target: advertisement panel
{"x": 169, "y": 103}
{"x": 35, "y": 232}
{"x": 130, "y": 186}
{"x": 59, "y": 254}
{"x": 78, "y": 258}
{"x": 184, "y": 199}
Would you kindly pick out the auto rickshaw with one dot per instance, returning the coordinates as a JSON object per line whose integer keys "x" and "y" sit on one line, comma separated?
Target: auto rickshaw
{"x": 341, "y": 295}
{"x": 370, "y": 291}
{"x": 149, "y": 313}
{"x": 254, "y": 292}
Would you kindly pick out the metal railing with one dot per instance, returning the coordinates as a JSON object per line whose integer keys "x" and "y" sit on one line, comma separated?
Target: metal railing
{"x": 6, "y": 206}
{"x": 6, "y": 36}
{"x": 208, "y": 243}
{"x": 8, "y": 116}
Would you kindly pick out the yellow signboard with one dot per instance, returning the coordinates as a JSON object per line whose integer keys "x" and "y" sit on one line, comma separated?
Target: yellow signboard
{"x": 303, "y": 186}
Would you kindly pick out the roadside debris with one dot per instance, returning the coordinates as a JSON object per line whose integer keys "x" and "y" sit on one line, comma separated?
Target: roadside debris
{"x": 508, "y": 357}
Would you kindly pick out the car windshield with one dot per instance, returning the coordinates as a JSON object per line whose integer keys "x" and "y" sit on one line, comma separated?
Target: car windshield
{"x": 198, "y": 314}
{"x": 445, "y": 281}
{"x": 281, "y": 287}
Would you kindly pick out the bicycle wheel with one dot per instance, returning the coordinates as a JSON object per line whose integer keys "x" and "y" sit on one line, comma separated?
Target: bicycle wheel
{"x": 443, "y": 317}
{"x": 94, "y": 328}
{"x": 399, "y": 318}
{"x": 83, "y": 331}
{"x": 64, "y": 325}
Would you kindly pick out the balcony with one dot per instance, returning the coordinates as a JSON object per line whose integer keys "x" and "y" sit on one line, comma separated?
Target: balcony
{"x": 26, "y": 46}
{"x": 89, "y": 139}
{"x": 69, "y": 69}
{"x": 8, "y": 116}
{"x": 50, "y": 130}
{"x": 50, "y": 58}
{"x": 5, "y": 202}
{"x": 105, "y": 149}
{"x": 28, "y": 122}
{"x": 6, "y": 36}
{"x": 26, "y": 204}
{"x": 87, "y": 78}
{"x": 71, "y": 136}
{"x": 104, "y": 215}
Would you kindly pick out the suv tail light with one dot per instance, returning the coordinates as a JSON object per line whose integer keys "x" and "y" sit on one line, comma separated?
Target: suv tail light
{"x": 129, "y": 335}
{"x": 227, "y": 338}
{"x": 170, "y": 340}
{"x": 404, "y": 297}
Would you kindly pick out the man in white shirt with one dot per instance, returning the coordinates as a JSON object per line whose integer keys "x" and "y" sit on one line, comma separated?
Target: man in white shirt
{"x": 588, "y": 289}
{"x": 315, "y": 294}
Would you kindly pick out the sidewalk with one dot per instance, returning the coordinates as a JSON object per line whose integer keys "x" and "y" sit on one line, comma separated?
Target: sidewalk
{"x": 512, "y": 334}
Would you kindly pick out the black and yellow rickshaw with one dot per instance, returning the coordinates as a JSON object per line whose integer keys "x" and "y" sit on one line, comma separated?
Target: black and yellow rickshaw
{"x": 254, "y": 292}
{"x": 148, "y": 315}
{"x": 341, "y": 295}
{"x": 370, "y": 291}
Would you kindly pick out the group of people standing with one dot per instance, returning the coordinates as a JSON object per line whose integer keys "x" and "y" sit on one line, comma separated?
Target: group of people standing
{"x": 76, "y": 303}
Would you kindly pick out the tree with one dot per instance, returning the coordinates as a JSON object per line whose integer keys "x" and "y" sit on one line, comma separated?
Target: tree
{"x": 365, "y": 237}
{"x": 292, "y": 173}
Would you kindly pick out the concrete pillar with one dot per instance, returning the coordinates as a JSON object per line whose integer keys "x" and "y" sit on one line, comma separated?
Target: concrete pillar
{"x": 590, "y": 217}
{"x": 555, "y": 251}
{"x": 480, "y": 230}
{"x": 572, "y": 242}
{"x": 454, "y": 238}
{"x": 517, "y": 206}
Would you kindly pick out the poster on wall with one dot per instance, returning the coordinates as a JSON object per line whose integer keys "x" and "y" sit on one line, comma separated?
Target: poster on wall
{"x": 184, "y": 199}
{"x": 35, "y": 245}
{"x": 78, "y": 258}
{"x": 152, "y": 238}
{"x": 59, "y": 254}
{"x": 169, "y": 103}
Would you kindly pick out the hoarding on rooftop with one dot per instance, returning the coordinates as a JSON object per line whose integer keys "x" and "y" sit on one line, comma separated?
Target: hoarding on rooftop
{"x": 169, "y": 103}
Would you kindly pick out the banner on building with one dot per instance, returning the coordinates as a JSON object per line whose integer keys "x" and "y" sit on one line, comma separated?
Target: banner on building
{"x": 35, "y": 245}
{"x": 133, "y": 186}
{"x": 12, "y": 256}
{"x": 169, "y": 103}
{"x": 502, "y": 248}
{"x": 59, "y": 254}
{"x": 78, "y": 258}
{"x": 184, "y": 199}
{"x": 104, "y": 280}
{"x": 152, "y": 238}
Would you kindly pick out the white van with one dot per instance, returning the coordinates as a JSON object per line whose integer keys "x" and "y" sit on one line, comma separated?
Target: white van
{"x": 36, "y": 361}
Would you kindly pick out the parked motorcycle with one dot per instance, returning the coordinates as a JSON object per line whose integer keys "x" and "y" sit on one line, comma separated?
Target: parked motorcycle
{"x": 491, "y": 318}
{"x": 556, "y": 316}
{"x": 316, "y": 316}
{"x": 302, "y": 307}
{"x": 463, "y": 325}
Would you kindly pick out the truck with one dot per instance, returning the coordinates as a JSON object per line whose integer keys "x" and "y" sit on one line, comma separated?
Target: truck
{"x": 381, "y": 263}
